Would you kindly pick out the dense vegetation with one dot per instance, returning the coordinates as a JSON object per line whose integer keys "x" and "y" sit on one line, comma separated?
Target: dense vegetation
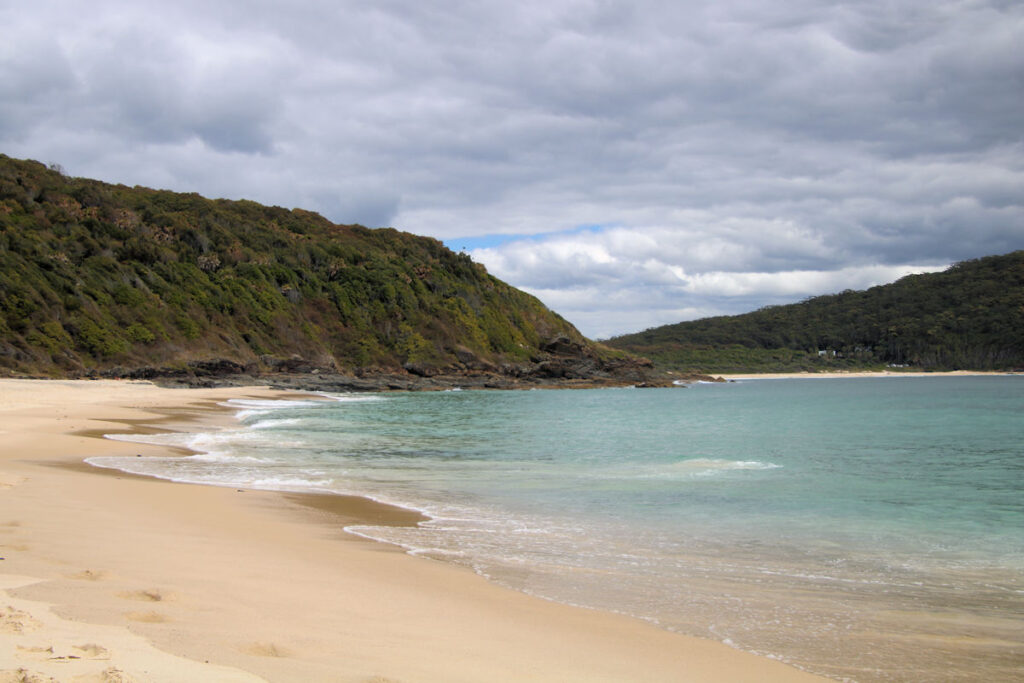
{"x": 96, "y": 276}
{"x": 970, "y": 316}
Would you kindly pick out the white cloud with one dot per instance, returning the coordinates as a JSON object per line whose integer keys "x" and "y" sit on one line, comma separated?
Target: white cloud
{"x": 605, "y": 284}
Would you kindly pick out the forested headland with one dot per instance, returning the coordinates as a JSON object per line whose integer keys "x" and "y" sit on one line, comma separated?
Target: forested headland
{"x": 969, "y": 317}
{"x": 109, "y": 280}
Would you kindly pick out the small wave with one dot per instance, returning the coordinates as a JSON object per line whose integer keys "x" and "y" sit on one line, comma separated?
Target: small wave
{"x": 185, "y": 470}
{"x": 243, "y": 415}
{"x": 285, "y": 483}
{"x": 212, "y": 456}
{"x": 718, "y": 464}
{"x": 688, "y": 469}
{"x": 163, "y": 439}
{"x": 266, "y": 403}
{"x": 251, "y": 407}
{"x": 351, "y": 398}
{"x": 273, "y": 424}
{"x": 194, "y": 441}
{"x": 395, "y": 536}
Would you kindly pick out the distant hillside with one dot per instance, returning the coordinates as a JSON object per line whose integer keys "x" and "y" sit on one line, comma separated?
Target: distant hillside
{"x": 970, "y": 316}
{"x": 99, "y": 278}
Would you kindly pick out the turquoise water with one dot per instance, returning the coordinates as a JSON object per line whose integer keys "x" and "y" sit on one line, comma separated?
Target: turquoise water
{"x": 867, "y": 529}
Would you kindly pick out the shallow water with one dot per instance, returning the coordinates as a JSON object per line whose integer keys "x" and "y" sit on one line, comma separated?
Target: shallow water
{"x": 867, "y": 529}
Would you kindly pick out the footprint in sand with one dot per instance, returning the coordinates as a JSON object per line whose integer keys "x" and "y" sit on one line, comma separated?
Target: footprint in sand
{"x": 14, "y": 621}
{"x": 10, "y": 480}
{"x": 35, "y": 652}
{"x": 110, "y": 675}
{"x": 147, "y": 617}
{"x": 92, "y": 651}
{"x": 83, "y": 652}
{"x": 144, "y": 596}
{"x": 24, "y": 676}
{"x": 265, "y": 650}
{"x": 12, "y": 528}
{"x": 88, "y": 651}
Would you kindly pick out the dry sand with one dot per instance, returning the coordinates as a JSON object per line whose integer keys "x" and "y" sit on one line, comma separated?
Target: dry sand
{"x": 110, "y": 577}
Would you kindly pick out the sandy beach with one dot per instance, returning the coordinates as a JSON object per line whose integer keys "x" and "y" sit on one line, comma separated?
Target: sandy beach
{"x": 112, "y": 577}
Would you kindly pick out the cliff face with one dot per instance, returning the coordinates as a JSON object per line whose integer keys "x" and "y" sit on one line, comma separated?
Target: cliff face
{"x": 99, "y": 279}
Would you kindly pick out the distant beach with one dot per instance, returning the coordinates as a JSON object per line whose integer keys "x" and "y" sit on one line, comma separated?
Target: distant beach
{"x": 113, "y": 577}
{"x": 859, "y": 374}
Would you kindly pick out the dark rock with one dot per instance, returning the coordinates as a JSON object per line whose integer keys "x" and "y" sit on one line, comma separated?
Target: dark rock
{"x": 422, "y": 369}
{"x": 563, "y": 346}
{"x": 294, "y": 363}
{"x": 465, "y": 356}
{"x": 215, "y": 367}
{"x": 515, "y": 369}
{"x": 657, "y": 384}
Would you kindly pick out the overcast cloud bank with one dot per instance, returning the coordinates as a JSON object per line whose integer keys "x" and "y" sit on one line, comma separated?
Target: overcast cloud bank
{"x": 734, "y": 154}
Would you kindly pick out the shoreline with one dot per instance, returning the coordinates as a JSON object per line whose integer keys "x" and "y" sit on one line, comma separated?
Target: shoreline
{"x": 112, "y": 577}
{"x": 858, "y": 374}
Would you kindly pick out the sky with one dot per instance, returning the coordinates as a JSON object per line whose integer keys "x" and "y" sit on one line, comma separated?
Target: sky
{"x": 631, "y": 163}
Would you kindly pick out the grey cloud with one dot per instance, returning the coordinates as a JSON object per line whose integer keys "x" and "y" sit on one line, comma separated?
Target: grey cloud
{"x": 163, "y": 92}
{"x": 365, "y": 206}
{"x": 32, "y": 77}
{"x": 736, "y": 137}
{"x": 141, "y": 83}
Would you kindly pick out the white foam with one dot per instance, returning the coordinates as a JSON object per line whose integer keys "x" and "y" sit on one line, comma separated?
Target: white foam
{"x": 352, "y": 398}
{"x": 266, "y": 403}
{"x": 685, "y": 469}
{"x": 293, "y": 482}
{"x": 212, "y": 456}
{"x": 251, "y": 407}
{"x": 272, "y": 424}
{"x": 190, "y": 470}
{"x": 713, "y": 464}
{"x": 195, "y": 441}
{"x": 246, "y": 414}
{"x": 164, "y": 439}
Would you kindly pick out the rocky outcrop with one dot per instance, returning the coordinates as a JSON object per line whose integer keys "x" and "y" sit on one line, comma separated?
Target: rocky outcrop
{"x": 561, "y": 363}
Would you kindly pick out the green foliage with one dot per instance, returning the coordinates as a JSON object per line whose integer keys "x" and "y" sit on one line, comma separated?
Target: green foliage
{"x": 99, "y": 340}
{"x": 99, "y": 275}
{"x": 968, "y": 317}
{"x": 127, "y": 296}
{"x": 50, "y": 336}
{"x": 414, "y": 347}
{"x": 138, "y": 332}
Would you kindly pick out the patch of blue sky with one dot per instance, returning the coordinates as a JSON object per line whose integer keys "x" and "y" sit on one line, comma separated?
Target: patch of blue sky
{"x": 496, "y": 240}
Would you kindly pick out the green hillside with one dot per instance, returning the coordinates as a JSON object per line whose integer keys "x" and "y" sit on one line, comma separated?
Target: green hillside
{"x": 99, "y": 277}
{"x": 970, "y": 316}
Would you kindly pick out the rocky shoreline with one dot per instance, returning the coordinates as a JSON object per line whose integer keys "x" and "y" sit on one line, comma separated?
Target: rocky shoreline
{"x": 561, "y": 364}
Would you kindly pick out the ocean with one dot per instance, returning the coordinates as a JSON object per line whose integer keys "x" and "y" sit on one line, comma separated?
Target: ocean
{"x": 865, "y": 529}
